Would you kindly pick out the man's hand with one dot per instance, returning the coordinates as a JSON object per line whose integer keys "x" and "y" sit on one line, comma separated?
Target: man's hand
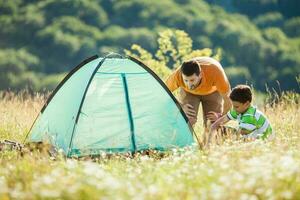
{"x": 192, "y": 120}
{"x": 190, "y": 113}
{"x": 213, "y": 116}
{"x": 189, "y": 110}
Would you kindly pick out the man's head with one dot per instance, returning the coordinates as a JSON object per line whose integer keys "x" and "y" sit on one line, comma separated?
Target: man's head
{"x": 241, "y": 97}
{"x": 191, "y": 74}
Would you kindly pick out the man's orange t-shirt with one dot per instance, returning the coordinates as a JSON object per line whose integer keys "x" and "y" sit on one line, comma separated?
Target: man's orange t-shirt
{"x": 213, "y": 78}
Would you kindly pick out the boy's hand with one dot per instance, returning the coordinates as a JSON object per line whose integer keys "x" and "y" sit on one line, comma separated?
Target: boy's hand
{"x": 213, "y": 127}
{"x": 213, "y": 116}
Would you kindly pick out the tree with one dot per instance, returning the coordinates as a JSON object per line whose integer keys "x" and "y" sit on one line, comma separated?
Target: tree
{"x": 62, "y": 40}
{"x": 271, "y": 19}
{"x": 14, "y": 64}
{"x": 291, "y": 27}
{"x": 174, "y": 47}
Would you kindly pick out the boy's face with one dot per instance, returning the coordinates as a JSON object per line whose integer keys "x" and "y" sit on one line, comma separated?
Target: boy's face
{"x": 240, "y": 107}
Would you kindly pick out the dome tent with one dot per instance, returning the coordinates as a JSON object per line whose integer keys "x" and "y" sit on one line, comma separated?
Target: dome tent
{"x": 113, "y": 104}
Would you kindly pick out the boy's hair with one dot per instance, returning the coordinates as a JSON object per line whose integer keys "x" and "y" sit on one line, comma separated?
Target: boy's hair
{"x": 189, "y": 68}
{"x": 241, "y": 93}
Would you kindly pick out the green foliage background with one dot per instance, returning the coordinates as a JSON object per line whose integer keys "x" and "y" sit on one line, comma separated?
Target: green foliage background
{"x": 258, "y": 41}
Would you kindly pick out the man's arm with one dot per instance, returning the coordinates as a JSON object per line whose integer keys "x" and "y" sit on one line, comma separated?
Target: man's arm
{"x": 223, "y": 87}
{"x": 172, "y": 84}
{"x": 172, "y": 81}
{"x": 227, "y": 102}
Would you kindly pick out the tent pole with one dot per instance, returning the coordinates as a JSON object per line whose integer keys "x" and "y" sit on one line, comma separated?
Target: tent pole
{"x": 129, "y": 111}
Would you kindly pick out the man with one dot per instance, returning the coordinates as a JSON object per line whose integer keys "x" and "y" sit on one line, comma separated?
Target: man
{"x": 201, "y": 79}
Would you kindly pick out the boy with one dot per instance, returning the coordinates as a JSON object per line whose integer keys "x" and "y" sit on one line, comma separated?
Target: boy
{"x": 252, "y": 123}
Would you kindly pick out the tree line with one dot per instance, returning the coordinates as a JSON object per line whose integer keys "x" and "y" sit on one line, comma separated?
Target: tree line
{"x": 40, "y": 41}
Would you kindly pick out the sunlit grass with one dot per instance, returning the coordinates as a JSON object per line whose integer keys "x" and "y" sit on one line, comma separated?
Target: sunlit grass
{"x": 233, "y": 170}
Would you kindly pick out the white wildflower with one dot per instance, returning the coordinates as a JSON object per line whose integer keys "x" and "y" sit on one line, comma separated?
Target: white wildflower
{"x": 269, "y": 193}
{"x": 3, "y": 185}
{"x": 93, "y": 169}
{"x": 49, "y": 193}
{"x": 251, "y": 182}
{"x": 153, "y": 189}
{"x": 112, "y": 183}
{"x": 217, "y": 191}
{"x": 287, "y": 194}
{"x": 245, "y": 196}
{"x": 71, "y": 164}
{"x": 48, "y": 180}
{"x": 144, "y": 158}
{"x": 16, "y": 192}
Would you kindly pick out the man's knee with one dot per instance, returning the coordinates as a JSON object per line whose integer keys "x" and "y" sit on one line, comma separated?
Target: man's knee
{"x": 212, "y": 102}
{"x": 188, "y": 100}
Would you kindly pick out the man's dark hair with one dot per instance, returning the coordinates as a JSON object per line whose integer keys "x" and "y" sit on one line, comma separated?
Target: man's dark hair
{"x": 189, "y": 68}
{"x": 241, "y": 93}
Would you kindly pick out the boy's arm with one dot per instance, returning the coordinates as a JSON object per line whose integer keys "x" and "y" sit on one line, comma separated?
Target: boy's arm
{"x": 213, "y": 116}
{"x": 222, "y": 120}
{"x": 243, "y": 132}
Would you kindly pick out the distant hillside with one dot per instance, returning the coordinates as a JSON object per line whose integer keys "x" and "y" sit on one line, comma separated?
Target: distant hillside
{"x": 41, "y": 40}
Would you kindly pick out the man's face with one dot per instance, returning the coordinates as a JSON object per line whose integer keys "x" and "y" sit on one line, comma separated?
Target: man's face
{"x": 240, "y": 107}
{"x": 191, "y": 81}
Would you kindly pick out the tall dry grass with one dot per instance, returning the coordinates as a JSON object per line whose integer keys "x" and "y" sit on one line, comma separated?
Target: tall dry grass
{"x": 18, "y": 111}
{"x": 233, "y": 170}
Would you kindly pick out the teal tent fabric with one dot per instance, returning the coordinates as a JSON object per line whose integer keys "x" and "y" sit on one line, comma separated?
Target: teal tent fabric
{"x": 113, "y": 104}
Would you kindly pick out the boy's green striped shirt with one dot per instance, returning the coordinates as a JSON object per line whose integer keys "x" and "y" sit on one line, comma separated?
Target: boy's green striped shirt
{"x": 252, "y": 121}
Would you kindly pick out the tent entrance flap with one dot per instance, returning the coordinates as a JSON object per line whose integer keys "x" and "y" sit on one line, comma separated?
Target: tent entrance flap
{"x": 130, "y": 118}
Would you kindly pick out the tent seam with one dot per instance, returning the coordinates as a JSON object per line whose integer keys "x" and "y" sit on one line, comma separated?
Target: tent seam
{"x": 80, "y": 107}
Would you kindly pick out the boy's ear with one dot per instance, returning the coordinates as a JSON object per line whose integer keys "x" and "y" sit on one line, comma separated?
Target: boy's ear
{"x": 247, "y": 103}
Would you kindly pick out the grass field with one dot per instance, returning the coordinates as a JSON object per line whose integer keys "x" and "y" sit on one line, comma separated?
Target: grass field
{"x": 234, "y": 170}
